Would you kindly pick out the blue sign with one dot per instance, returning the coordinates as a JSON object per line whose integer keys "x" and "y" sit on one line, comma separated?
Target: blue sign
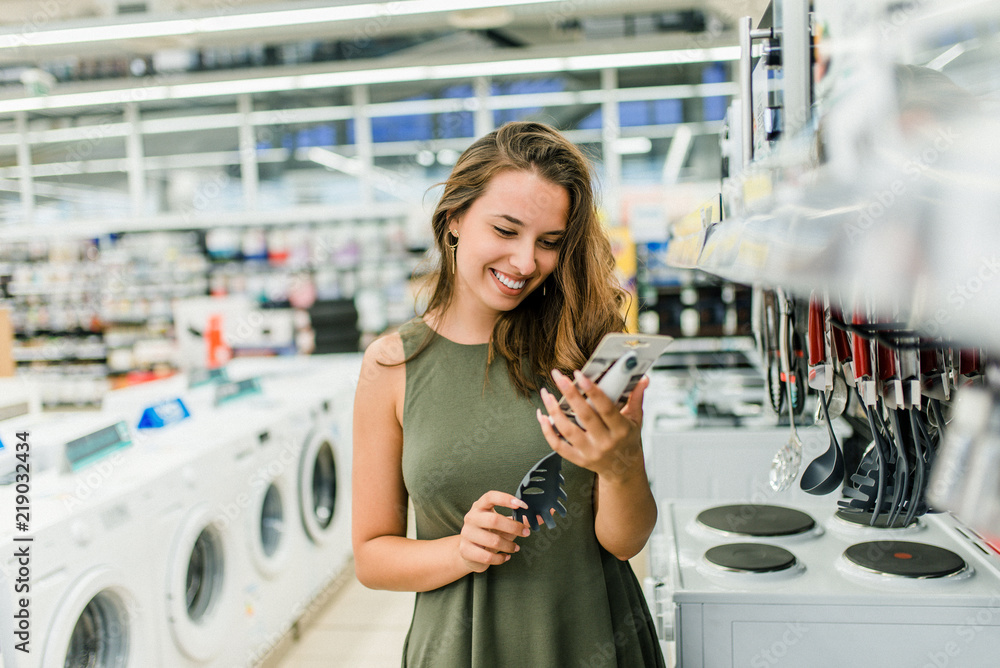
{"x": 163, "y": 414}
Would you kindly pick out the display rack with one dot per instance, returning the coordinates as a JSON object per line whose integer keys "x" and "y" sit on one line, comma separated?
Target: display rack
{"x": 898, "y": 221}
{"x": 866, "y": 220}
{"x": 92, "y": 313}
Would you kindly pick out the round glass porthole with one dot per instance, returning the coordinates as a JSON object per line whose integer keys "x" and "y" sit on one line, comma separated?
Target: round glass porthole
{"x": 203, "y": 581}
{"x": 272, "y": 521}
{"x": 100, "y": 636}
{"x": 324, "y": 485}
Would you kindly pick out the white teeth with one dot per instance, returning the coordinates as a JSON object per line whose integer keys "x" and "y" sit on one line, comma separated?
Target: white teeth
{"x": 513, "y": 285}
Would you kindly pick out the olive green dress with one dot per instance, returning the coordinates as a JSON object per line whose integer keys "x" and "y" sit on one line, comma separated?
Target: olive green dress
{"x": 562, "y": 600}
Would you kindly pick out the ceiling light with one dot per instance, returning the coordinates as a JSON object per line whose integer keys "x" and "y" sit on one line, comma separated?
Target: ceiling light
{"x": 381, "y": 178}
{"x": 447, "y": 157}
{"x": 632, "y": 145}
{"x": 513, "y": 67}
{"x": 680, "y": 147}
{"x": 488, "y": 18}
{"x": 335, "y": 161}
{"x": 384, "y": 11}
{"x": 425, "y": 158}
{"x": 946, "y": 57}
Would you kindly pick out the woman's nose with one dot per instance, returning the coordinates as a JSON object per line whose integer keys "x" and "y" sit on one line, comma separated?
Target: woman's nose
{"x": 523, "y": 259}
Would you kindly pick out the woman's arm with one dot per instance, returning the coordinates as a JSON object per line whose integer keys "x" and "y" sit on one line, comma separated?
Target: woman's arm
{"x": 609, "y": 444}
{"x": 384, "y": 558}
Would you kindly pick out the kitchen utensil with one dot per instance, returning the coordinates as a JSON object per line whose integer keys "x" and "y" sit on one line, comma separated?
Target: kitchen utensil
{"x": 882, "y": 463}
{"x": 833, "y": 382}
{"x": 838, "y": 397}
{"x": 917, "y": 490}
{"x": 786, "y": 462}
{"x": 841, "y": 344}
{"x": 542, "y": 490}
{"x": 825, "y": 473}
{"x": 863, "y": 490}
{"x": 900, "y": 474}
{"x": 861, "y": 356}
{"x": 969, "y": 362}
{"x": 893, "y": 399}
{"x": 798, "y": 365}
{"x": 771, "y": 356}
{"x": 817, "y": 345}
{"x": 839, "y": 349}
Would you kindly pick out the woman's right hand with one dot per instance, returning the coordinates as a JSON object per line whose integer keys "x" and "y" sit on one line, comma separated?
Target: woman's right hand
{"x": 487, "y": 537}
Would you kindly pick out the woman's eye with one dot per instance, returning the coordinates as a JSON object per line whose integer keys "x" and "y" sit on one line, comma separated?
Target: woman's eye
{"x": 504, "y": 232}
{"x": 548, "y": 244}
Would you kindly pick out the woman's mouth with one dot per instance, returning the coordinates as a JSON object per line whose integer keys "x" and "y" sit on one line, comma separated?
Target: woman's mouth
{"x": 508, "y": 282}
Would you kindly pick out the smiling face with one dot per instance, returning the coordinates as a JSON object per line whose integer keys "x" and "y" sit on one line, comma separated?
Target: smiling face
{"x": 508, "y": 242}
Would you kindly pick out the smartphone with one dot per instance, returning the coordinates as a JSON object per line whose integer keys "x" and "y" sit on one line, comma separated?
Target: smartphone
{"x": 619, "y": 363}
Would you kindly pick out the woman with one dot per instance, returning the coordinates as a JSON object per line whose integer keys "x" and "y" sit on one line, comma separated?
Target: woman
{"x": 447, "y": 415}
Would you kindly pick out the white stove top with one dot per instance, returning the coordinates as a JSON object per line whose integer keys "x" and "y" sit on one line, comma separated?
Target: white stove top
{"x": 821, "y": 570}
{"x": 824, "y": 610}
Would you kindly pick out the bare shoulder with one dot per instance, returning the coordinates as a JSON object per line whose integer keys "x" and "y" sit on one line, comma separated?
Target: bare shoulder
{"x": 383, "y": 374}
{"x": 385, "y": 352}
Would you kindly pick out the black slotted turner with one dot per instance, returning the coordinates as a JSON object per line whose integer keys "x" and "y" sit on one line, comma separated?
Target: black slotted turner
{"x": 542, "y": 490}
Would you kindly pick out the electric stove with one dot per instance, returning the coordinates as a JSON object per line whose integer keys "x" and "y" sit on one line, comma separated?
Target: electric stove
{"x": 747, "y": 584}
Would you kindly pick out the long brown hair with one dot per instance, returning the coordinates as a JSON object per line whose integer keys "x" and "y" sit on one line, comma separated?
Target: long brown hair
{"x": 583, "y": 299}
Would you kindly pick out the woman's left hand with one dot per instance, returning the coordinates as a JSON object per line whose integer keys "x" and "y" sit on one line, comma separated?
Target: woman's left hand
{"x": 607, "y": 440}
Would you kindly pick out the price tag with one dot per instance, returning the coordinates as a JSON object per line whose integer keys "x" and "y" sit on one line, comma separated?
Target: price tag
{"x": 199, "y": 377}
{"x": 164, "y": 414}
{"x": 88, "y": 449}
{"x": 230, "y": 391}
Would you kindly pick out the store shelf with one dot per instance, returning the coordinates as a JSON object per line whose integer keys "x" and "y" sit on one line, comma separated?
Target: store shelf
{"x": 887, "y": 200}
{"x": 120, "y": 320}
{"x": 96, "y": 227}
{"x": 916, "y": 247}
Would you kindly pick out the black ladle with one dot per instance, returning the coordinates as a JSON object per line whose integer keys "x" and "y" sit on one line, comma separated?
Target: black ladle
{"x": 825, "y": 474}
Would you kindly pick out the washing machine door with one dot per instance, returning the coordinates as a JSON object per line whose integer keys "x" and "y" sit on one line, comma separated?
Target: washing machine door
{"x": 97, "y": 625}
{"x": 271, "y": 507}
{"x": 198, "y": 589}
{"x": 318, "y": 486}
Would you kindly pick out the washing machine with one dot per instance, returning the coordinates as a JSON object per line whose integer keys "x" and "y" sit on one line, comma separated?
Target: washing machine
{"x": 266, "y": 516}
{"x": 319, "y": 393}
{"x": 321, "y": 540}
{"x": 324, "y": 471}
{"x": 198, "y": 564}
{"x": 251, "y": 506}
{"x": 325, "y": 384}
{"x": 20, "y": 411}
{"x": 227, "y": 565}
{"x": 270, "y": 474}
{"x": 78, "y": 564}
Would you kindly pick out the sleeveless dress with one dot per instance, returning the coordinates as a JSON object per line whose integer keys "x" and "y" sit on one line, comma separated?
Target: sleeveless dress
{"x": 562, "y": 600}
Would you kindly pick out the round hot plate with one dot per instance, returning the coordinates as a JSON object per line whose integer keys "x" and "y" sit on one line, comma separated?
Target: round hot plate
{"x": 751, "y": 519}
{"x": 750, "y": 557}
{"x": 905, "y": 559}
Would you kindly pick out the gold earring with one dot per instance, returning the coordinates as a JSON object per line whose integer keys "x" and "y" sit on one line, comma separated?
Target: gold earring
{"x": 454, "y": 250}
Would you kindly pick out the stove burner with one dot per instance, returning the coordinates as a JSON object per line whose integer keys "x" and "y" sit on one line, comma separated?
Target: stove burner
{"x": 750, "y": 557}
{"x": 864, "y": 518}
{"x": 750, "y": 519}
{"x": 905, "y": 559}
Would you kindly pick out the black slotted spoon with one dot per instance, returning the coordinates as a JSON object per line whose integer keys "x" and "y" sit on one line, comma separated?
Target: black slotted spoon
{"x": 542, "y": 490}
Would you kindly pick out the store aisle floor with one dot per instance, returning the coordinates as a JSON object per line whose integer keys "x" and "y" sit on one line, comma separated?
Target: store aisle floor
{"x": 359, "y": 627}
